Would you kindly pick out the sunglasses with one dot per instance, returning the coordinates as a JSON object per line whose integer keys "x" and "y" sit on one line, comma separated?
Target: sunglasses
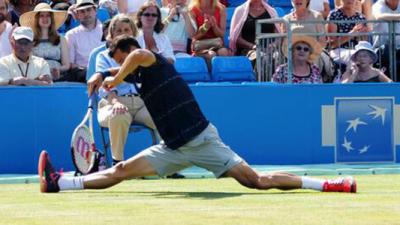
{"x": 150, "y": 14}
{"x": 305, "y": 49}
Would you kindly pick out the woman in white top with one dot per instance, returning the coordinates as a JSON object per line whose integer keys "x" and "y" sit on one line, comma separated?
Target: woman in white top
{"x": 150, "y": 36}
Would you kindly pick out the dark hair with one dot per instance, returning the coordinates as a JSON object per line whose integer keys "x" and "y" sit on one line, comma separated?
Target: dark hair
{"x": 159, "y": 25}
{"x": 123, "y": 43}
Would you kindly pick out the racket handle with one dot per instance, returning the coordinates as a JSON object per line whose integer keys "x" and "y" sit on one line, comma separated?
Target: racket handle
{"x": 92, "y": 100}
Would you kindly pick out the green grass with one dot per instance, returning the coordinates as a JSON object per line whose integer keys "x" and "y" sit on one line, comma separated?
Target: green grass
{"x": 203, "y": 201}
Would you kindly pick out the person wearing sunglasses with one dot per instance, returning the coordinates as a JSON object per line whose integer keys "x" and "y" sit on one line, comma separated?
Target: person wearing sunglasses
{"x": 150, "y": 36}
{"x": 305, "y": 50}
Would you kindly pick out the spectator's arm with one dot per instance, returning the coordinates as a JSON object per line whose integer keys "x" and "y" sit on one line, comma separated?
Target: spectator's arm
{"x": 167, "y": 50}
{"x": 45, "y": 77}
{"x": 219, "y": 29}
{"x": 65, "y": 65}
{"x": 202, "y": 30}
{"x": 189, "y": 24}
{"x": 326, "y": 11}
{"x": 383, "y": 77}
{"x": 244, "y": 44}
{"x": 366, "y": 7}
{"x": 5, "y": 76}
{"x": 71, "y": 47}
{"x": 123, "y": 6}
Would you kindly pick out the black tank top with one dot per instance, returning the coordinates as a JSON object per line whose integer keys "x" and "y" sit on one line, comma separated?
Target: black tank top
{"x": 370, "y": 80}
{"x": 171, "y": 103}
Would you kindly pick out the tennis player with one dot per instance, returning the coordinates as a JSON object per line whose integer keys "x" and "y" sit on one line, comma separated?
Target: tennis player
{"x": 189, "y": 138}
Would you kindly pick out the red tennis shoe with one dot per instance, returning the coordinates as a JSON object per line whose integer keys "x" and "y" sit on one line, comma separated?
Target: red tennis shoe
{"x": 47, "y": 175}
{"x": 347, "y": 184}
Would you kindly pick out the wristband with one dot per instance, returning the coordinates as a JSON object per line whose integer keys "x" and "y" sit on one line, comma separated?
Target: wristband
{"x": 105, "y": 74}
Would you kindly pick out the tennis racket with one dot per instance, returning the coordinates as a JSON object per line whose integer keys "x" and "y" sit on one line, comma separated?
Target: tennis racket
{"x": 83, "y": 148}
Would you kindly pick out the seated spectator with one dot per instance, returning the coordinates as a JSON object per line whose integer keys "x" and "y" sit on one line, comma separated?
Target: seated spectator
{"x": 210, "y": 17}
{"x": 362, "y": 6}
{"x": 123, "y": 98}
{"x": 242, "y": 37}
{"x": 83, "y": 39}
{"x": 321, "y": 7}
{"x": 305, "y": 51}
{"x": 302, "y": 13}
{"x": 361, "y": 69}
{"x": 343, "y": 45}
{"x": 388, "y": 10}
{"x": 20, "y": 7}
{"x": 5, "y": 30}
{"x": 48, "y": 44}
{"x": 21, "y": 67}
{"x": 150, "y": 37}
{"x": 177, "y": 26}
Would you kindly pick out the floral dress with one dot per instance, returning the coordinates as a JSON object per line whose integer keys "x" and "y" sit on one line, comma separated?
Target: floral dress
{"x": 281, "y": 75}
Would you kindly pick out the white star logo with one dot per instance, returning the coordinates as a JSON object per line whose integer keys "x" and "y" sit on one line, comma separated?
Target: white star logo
{"x": 378, "y": 112}
{"x": 347, "y": 145}
{"x": 365, "y": 149}
{"x": 354, "y": 123}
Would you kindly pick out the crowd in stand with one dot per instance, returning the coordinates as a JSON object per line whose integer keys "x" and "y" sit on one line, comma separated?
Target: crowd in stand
{"x": 45, "y": 41}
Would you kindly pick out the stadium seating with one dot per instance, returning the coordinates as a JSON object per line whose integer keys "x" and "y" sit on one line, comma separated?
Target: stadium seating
{"x": 231, "y": 68}
{"x": 192, "y": 69}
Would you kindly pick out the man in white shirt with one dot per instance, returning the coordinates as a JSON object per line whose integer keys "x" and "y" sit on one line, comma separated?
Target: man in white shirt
{"x": 5, "y": 30}
{"x": 84, "y": 38}
{"x": 22, "y": 68}
{"x": 388, "y": 10}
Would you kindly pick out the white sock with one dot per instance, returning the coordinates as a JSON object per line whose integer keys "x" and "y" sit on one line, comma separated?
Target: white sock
{"x": 312, "y": 183}
{"x": 70, "y": 183}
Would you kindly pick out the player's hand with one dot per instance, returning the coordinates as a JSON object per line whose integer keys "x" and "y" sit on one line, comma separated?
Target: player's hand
{"x": 108, "y": 83}
{"x": 118, "y": 108}
{"x": 94, "y": 83}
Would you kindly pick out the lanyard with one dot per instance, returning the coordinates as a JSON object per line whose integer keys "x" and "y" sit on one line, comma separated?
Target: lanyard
{"x": 26, "y": 71}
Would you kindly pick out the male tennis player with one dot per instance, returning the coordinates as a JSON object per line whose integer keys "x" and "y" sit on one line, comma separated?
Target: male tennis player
{"x": 189, "y": 138}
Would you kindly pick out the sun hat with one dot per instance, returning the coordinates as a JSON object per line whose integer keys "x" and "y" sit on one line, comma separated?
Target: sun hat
{"x": 23, "y": 33}
{"x": 83, "y": 4}
{"x": 29, "y": 18}
{"x": 298, "y": 37}
{"x": 366, "y": 46}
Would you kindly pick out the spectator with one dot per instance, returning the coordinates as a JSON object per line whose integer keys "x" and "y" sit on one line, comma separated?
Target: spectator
{"x": 122, "y": 105}
{"x": 243, "y": 26}
{"x": 321, "y": 7}
{"x": 150, "y": 36}
{"x": 5, "y": 30}
{"x": 20, "y": 7}
{"x": 48, "y": 44}
{"x": 361, "y": 69}
{"x": 21, "y": 67}
{"x": 342, "y": 45}
{"x": 362, "y": 6}
{"x": 110, "y": 5}
{"x": 83, "y": 39}
{"x": 177, "y": 26}
{"x": 210, "y": 17}
{"x": 305, "y": 51}
{"x": 388, "y": 10}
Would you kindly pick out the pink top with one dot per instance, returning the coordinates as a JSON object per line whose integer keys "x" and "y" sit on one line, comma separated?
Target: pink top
{"x": 239, "y": 17}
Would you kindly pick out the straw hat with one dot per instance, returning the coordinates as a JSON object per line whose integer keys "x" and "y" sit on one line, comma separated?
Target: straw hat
{"x": 311, "y": 41}
{"x": 29, "y": 18}
{"x": 366, "y": 46}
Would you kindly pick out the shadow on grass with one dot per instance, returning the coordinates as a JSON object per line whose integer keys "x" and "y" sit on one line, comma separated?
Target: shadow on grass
{"x": 199, "y": 194}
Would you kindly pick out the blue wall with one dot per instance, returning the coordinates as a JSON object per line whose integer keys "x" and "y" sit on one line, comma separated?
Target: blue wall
{"x": 264, "y": 123}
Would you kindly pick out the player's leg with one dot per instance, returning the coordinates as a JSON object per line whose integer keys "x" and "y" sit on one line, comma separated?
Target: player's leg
{"x": 248, "y": 177}
{"x": 137, "y": 166}
{"x": 53, "y": 181}
{"x": 142, "y": 115}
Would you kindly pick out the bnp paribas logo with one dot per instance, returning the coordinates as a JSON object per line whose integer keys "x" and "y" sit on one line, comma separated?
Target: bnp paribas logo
{"x": 364, "y": 129}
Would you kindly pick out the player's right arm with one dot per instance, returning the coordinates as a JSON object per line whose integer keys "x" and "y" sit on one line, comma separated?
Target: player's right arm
{"x": 138, "y": 57}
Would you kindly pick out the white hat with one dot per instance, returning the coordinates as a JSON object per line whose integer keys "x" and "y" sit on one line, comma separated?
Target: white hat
{"x": 23, "y": 33}
{"x": 83, "y": 4}
{"x": 364, "y": 45}
{"x": 29, "y": 18}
